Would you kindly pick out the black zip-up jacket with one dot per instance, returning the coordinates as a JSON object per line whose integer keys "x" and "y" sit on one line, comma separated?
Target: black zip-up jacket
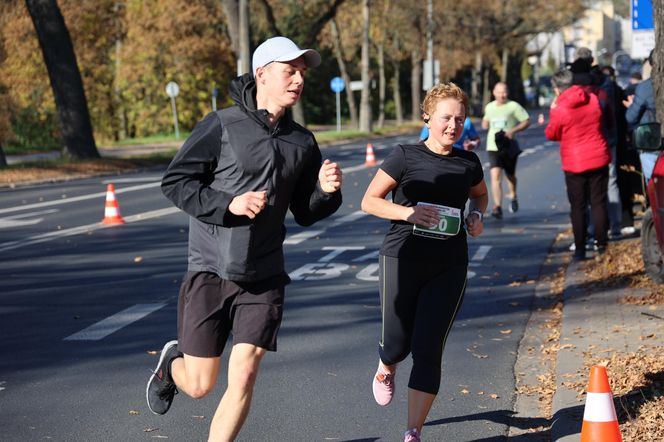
{"x": 233, "y": 151}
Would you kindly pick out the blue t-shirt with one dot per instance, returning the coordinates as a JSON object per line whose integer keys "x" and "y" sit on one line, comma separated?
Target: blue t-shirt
{"x": 468, "y": 132}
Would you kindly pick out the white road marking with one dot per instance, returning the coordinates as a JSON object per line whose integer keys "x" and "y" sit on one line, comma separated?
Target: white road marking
{"x": 105, "y": 327}
{"x": 76, "y": 198}
{"x": 477, "y": 258}
{"x": 132, "y": 180}
{"x": 481, "y": 253}
{"x": 301, "y": 237}
{"x": 17, "y": 221}
{"x": 50, "y": 236}
{"x": 307, "y": 234}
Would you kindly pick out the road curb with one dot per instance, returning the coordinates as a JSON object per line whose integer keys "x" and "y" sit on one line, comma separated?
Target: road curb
{"x": 527, "y": 419}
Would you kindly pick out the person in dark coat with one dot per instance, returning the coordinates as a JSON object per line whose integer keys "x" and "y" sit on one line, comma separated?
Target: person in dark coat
{"x": 641, "y": 109}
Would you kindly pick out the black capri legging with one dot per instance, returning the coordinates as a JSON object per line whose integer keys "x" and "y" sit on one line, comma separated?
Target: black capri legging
{"x": 419, "y": 301}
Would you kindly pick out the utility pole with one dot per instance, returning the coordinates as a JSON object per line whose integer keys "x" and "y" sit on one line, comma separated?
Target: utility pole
{"x": 244, "y": 63}
{"x": 431, "y": 66}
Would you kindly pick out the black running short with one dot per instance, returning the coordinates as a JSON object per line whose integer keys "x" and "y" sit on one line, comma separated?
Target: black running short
{"x": 210, "y": 308}
{"x": 503, "y": 161}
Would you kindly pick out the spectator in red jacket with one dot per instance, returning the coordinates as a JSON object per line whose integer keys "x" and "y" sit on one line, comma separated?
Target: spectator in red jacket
{"x": 575, "y": 120}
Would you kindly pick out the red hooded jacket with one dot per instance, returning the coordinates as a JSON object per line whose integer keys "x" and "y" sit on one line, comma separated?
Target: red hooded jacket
{"x": 576, "y": 122}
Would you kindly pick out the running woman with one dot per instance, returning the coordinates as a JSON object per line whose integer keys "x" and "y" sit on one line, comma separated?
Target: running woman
{"x": 424, "y": 257}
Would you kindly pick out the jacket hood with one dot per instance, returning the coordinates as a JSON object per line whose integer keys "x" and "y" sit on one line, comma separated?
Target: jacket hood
{"x": 243, "y": 92}
{"x": 573, "y": 97}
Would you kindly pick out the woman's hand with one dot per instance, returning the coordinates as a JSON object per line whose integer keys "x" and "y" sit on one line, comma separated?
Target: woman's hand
{"x": 474, "y": 225}
{"x": 422, "y": 215}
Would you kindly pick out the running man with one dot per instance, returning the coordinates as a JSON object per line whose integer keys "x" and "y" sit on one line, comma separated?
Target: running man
{"x": 509, "y": 116}
{"x": 236, "y": 176}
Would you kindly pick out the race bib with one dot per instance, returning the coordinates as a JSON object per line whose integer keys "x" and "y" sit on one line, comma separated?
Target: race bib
{"x": 499, "y": 123}
{"x": 448, "y": 225}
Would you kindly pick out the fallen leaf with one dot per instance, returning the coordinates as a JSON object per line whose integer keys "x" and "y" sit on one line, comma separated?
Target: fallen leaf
{"x": 506, "y": 332}
{"x": 150, "y": 430}
{"x": 134, "y": 412}
{"x": 494, "y": 396}
{"x": 138, "y": 259}
{"x": 152, "y": 352}
{"x": 464, "y": 391}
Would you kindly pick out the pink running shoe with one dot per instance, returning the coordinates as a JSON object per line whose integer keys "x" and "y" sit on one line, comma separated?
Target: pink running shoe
{"x": 383, "y": 387}
{"x": 411, "y": 435}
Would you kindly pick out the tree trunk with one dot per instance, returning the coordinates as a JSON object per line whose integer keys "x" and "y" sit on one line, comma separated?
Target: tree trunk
{"x": 486, "y": 93}
{"x": 118, "y": 106}
{"x": 365, "y": 102}
{"x": 503, "y": 67}
{"x": 657, "y": 73}
{"x": 232, "y": 13}
{"x": 3, "y": 158}
{"x": 396, "y": 91}
{"x": 514, "y": 80}
{"x": 65, "y": 78}
{"x": 416, "y": 85}
{"x": 381, "y": 86}
{"x": 269, "y": 17}
{"x": 339, "y": 55}
{"x": 476, "y": 81}
{"x": 244, "y": 63}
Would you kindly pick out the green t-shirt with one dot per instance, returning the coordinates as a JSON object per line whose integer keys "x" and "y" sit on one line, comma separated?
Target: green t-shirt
{"x": 502, "y": 117}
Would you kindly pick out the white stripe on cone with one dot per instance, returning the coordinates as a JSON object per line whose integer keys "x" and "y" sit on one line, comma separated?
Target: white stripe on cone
{"x": 111, "y": 211}
{"x": 599, "y": 408}
{"x": 110, "y": 196}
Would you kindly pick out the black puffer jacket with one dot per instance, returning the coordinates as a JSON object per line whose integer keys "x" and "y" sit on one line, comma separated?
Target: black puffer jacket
{"x": 233, "y": 151}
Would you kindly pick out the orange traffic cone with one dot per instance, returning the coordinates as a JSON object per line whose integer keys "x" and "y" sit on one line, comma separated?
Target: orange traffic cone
{"x": 600, "y": 423}
{"x": 370, "y": 158}
{"x": 111, "y": 209}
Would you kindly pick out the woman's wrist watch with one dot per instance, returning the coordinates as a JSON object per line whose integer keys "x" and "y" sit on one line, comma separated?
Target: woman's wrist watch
{"x": 479, "y": 214}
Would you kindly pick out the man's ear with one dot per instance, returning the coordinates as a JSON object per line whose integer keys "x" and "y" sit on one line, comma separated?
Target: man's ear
{"x": 259, "y": 74}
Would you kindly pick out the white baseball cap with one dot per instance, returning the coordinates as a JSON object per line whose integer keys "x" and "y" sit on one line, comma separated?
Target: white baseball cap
{"x": 282, "y": 49}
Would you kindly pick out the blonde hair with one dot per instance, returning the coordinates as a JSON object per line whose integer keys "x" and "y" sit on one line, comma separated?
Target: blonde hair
{"x": 441, "y": 92}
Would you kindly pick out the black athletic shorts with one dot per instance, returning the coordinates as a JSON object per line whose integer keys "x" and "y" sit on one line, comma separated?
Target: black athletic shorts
{"x": 503, "y": 161}
{"x": 210, "y": 308}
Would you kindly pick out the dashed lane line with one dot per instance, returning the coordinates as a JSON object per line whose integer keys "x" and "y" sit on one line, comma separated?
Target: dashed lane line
{"x": 73, "y": 199}
{"x": 105, "y": 327}
{"x": 50, "y": 236}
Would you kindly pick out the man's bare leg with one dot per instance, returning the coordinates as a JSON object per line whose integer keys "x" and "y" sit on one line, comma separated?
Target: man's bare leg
{"x": 235, "y": 404}
{"x": 511, "y": 185}
{"x": 195, "y": 376}
{"x": 496, "y": 185}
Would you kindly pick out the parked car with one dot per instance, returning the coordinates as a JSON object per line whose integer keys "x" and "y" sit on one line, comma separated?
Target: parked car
{"x": 652, "y": 225}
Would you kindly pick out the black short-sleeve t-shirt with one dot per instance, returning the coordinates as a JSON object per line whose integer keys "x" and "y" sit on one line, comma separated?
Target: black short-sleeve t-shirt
{"x": 428, "y": 177}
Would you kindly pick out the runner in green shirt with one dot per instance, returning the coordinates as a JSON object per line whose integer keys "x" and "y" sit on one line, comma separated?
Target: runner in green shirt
{"x": 510, "y": 117}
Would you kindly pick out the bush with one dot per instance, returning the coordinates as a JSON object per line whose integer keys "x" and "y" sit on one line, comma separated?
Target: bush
{"x": 34, "y": 130}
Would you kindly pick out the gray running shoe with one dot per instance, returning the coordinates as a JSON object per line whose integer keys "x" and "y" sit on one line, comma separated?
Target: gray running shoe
{"x": 161, "y": 388}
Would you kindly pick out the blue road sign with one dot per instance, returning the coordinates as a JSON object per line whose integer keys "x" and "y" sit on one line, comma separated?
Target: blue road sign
{"x": 642, "y": 15}
{"x": 337, "y": 84}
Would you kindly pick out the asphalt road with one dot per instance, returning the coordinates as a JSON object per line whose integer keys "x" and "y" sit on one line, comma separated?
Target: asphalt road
{"x": 82, "y": 307}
